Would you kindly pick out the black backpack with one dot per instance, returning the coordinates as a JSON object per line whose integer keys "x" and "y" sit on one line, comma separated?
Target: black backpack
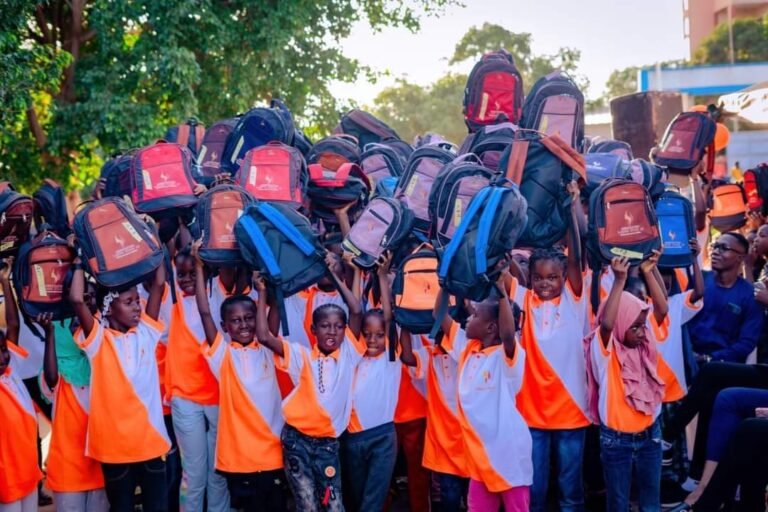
{"x": 489, "y": 143}
{"x": 380, "y": 161}
{"x": 383, "y": 225}
{"x": 212, "y": 150}
{"x": 364, "y": 127}
{"x": 555, "y": 105}
{"x": 255, "y": 128}
{"x": 51, "y": 208}
{"x": 281, "y": 244}
{"x": 452, "y": 192}
{"x": 494, "y": 91}
{"x": 334, "y": 151}
{"x": 116, "y": 173}
{"x": 190, "y": 133}
{"x": 16, "y": 213}
{"x": 331, "y": 190}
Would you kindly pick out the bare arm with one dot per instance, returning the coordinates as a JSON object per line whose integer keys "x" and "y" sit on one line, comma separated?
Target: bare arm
{"x": 50, "y": 364}
{"x": 76, "y": 297}
{"x": 382, "y": 274}
{"x": 342, "y": 214}
{"x": 656, "y": 291}
{"x": 203, "y": 306}
{"x": 155, "y": 299}
{"x": 575, "y": 277}
{"x": 699, "y": 203}
{"x": 506, "y": 321}
{"x": 698, "y": 276}
{"x": 407, "y": 357}
{"x": 263, "y": 333}
{"x": 354, "y": 305}
{"x": 12, "y": 323}
{"x": 620, "y": 267}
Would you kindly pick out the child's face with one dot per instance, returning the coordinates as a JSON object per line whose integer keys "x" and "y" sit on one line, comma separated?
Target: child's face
{"x": 481, "y": 323}
{"x": 374, "y": 335}
{"x": 5, "y": 355}
{"x": 240, "y": 322}
{"x": 547, "y": 279}
{"x": 125, "y": 310}
{"x": 329, "y": 332}
{"x": 635, "y": 335}
{"x": 760, "y": 242}
{"x": 185, "y": 275}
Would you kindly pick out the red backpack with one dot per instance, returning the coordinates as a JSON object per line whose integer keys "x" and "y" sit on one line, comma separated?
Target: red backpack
{"x": 756, "y": 188}
{"x": 687, "y": 137}
{"x": 16, "y": 212}
{"x": 494, "y": 91}
{"x": 161, "y": 180}
{"x": 275, "y": 172}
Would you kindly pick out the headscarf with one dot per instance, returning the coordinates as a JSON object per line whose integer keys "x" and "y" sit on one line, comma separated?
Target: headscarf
{"x": 73, "y": 364}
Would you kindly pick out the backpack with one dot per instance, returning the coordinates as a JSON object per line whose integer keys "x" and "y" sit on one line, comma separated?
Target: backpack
{"x": 452, "y": 192}
{"x": 381, "y": 161}
{"x": 41, "y": 275}
{"x": 216, "y": 215}
{"x": 685, "y": 140}
{"x": 415, "y": 289}
{"x": 756, "y": 188}
{"x": 16, "y": 212}
{"x": 161, "y": 180}
{"x": 677, "y": 227}
{"x": 212, "y": 149}
{"x": 542, "y": 166}
{"x": 190, "y": 134}
{"x": 118, "y": 248}
{"x": 51, "y": 208}
{"x": 416, "y": 182}
{"x": 616, "y": 147}
{"x": 386, "y": 187}
{"x": 403, "y": 148}
{"x": 274, "y": 172}
{"x": 384, "y": 225}
{"x": 489, "y": 142}
{"x": 364, "y": 127}
{"x": 116, "y": 173}
{"x": 281, "y": 244}
{"x": 649, "y": 175}
{"x": 601, "y": 166}
{"x": 334, "y": 151}
{"x": 494, "y": 91}
{"x": 555, "y": 105}
{"x": 255, "y": 128}
{"x": 331, "y": 190}
{"x": 727, "y": 207}
{"x": 489, "y": 230}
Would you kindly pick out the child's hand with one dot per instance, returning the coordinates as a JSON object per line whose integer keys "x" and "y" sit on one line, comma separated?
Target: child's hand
{"x": 71, "y": 240}
{"x": 5, "y": 268}
{"x": 344, "y": 210}
{"x": 651, "y": 263}
{"x": 199, "y": 189}
{"x": 222, "y": 177}
{"x": 45, "y": 320}
{"x": 259, "y": 283}
{"x": 330, "y": 260}
{"x": 384, "y": 262}
{"x": 693, "y": 244}
{"x": 620, "y": 267}
{"x": 348, "y": 258}
{"x": 195, "y": 251}
{"x": 573, "y": 190}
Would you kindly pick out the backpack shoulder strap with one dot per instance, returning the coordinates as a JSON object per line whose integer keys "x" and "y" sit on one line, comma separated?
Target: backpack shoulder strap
{"x": 182, "y": 137}
{"x": 484, "y": 229}
{"x": 286, "y": 228}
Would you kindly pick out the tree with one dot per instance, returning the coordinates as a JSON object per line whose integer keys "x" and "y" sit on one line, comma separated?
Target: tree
{"x": 412, "y": 109}
{"x": 91, "y": 77}
{"x": 750, "y": 43}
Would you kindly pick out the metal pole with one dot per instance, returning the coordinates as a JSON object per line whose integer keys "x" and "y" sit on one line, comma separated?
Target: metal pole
{"x": 730, "y": 33}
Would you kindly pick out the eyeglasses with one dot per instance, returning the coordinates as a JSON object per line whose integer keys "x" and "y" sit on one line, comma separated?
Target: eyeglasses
{"x": 723, "y": 248}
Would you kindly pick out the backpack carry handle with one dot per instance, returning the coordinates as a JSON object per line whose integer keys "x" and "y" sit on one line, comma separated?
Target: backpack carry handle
{"x": 278, "y": 104}
{"x": 347, "y": 137}
{"x": 467, "y": 157}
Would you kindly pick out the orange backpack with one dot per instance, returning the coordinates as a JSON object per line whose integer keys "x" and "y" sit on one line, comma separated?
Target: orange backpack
{"x": 415, "y": 290}
{"x": 727, "y": 207}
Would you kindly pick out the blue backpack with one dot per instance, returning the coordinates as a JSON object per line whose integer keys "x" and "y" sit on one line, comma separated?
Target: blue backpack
{"x": 676, "y": 226}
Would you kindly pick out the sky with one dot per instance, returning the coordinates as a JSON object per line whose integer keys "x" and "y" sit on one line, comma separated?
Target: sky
{"x": 611, "y": 34}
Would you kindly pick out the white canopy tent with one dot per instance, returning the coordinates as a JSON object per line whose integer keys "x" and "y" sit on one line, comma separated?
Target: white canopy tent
{"x": 751, "y": 104}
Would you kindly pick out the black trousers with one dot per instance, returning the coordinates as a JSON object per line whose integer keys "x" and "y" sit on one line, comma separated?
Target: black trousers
{"x": 713, "y": 378}
{"x": 120, "y": 481}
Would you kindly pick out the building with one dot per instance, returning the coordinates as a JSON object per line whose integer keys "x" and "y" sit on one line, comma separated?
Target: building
{"x": 700, "y": 17}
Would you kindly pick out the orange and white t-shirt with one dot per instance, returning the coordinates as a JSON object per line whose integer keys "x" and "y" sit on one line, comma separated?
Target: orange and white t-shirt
{"x": 412, "y": 397}
{"x": 320, "y": 404}
{"x": 374, "y": 392}
{"x": 250, "y": 417}
{"x": 30, "y": 366}
{"x": 669, "y": 338}
{"x": 189, "y": 376}
{"x": 443, "y": 443}
{"x": 299, "y": 308}
{"x": 126, "y": 421}
{"x": 554, "y": 391}
{"x": 497, "y": 440}
{"x": 161, "y": 352}
{"x": 615, "y": 412}
{"x": 19, "y": 473}
{"x": 68, "y": 468}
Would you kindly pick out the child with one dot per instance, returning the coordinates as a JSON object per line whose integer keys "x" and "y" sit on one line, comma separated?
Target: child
{"x": 75, "y": 478}
{"x": 497, "y": 440}
{"x": 248, "y": 448}
{"x": 126, "y": 432}
{"x": 20, "y": 473}
{"x": 194, "y": 394}
{"x": 318, "y": 409}
{"x": 369, "y": 446}
{"x": 624, "y": 362}
{"x": 553, "y": 397}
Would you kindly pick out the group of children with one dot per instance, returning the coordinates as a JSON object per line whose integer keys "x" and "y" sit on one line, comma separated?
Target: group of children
{"x": 325, "y": 409}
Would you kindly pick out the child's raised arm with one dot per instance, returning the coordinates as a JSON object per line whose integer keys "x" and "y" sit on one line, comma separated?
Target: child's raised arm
{"x": 203, "y": 306}
{"x": 507, "y": 327}
{"x": 406, "y": 348}
{"x": 77, "y": 298}
{"x": 620, "y": 267}
{"x": 698, "y": 277}
{"x": 263, "y": 333}
{"x": 50, "y": 364}
{"x": 382, "y": 274}
{"x": 574, "y": 274}
{"x": 655, "y": 289}
{"x": 353, "y": 303}
{"x": 155, "y": 299}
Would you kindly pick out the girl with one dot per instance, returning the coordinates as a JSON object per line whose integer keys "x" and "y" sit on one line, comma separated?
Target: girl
{"x": 76, "y": 479}
{"x": 624, "y": 362}
{"x": 194, "y": 394}
{"x": 126, "y": 432}
{"x": 318, "y": 409}
{"x": 248, "y": 448}
{"x": 369, "y": 446}
{"x": 18, "y": 436}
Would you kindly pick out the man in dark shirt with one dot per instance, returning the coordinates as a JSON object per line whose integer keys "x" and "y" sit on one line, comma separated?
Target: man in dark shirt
{"x": 729, "y": 325}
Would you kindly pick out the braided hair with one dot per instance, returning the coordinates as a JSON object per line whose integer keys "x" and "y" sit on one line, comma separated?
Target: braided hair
{"x": 321, "y": 312}
{"x": 550, "y": 254}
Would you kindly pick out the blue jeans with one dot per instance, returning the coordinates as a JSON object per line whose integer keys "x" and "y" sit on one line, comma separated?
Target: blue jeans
{"x": 632, "y": 458}
{"x": 120, "y": 482}
{"x": 313, "y": 470}
{"x": 732, "y": 405}
{"x": 568, "y": 446}
{"x": 368, "y": 460}
{"x": 452, "y": 490}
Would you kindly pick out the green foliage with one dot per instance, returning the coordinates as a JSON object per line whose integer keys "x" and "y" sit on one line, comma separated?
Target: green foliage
{"x": 108, "y": 75}
{"x": 750, "y": 43}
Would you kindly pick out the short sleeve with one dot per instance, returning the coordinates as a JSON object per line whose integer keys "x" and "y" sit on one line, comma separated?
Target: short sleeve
{"x": 165, "y": 313}
{"x": 215, "y": 353}
{"x": 455, "y": 341}
{"x": 419, "y": 372}
{"x": 687, "y": 309}
{"x": 599, "y": 353}
{"x": 92, "y": 343}
{"x": 512, "y": 368}
{"x": 517, "y": 292}
{"x": 353, "y": 348}
{"x": 292, "y": 360}
{"x": 150, "y": 330}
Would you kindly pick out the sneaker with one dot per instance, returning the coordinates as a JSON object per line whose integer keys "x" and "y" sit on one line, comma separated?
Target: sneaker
{"x": 690, "y": 484}
{"x": 672, "y": 494}
{"x": 667, "y": 453}
{"x": 683, "y": 507}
